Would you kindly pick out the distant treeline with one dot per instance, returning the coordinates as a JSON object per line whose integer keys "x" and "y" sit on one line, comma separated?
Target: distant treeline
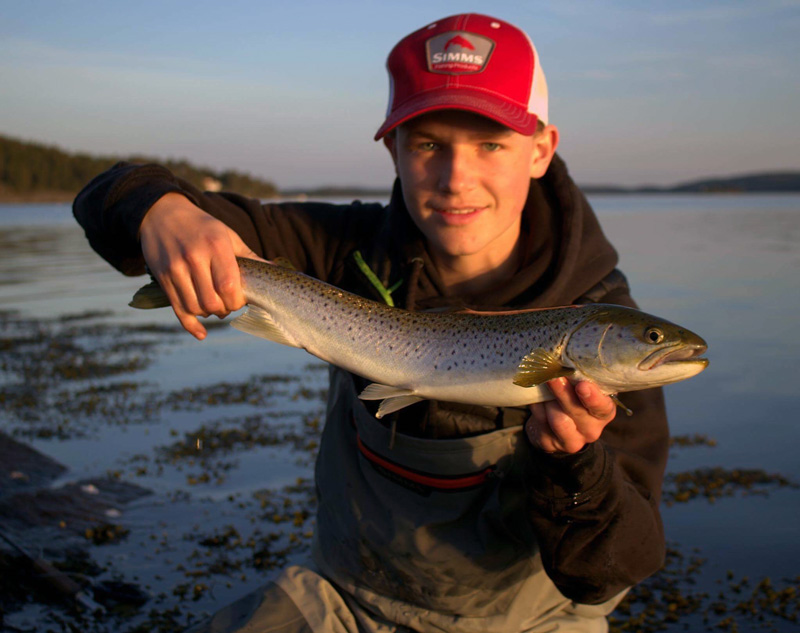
{"x": 768, "y": 182}
{"x": 31, "y": 170}
{"x": 35, "y": 172}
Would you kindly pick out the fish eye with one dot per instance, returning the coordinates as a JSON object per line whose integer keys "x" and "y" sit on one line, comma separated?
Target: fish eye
{"x": 653, "y": 335}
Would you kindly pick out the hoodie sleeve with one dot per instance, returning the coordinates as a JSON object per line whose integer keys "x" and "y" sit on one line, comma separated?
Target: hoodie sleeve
{"x": 314, "y": 237}
{"x": 596, "y": 513}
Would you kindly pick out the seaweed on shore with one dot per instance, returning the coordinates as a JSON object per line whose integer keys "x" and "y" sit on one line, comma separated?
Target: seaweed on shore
{"x": 239, "y": 538}
{"x": 714, "y": 483}
{"x": 669, "y": 597}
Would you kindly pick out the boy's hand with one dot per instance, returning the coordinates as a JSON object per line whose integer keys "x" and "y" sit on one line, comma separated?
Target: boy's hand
{"x": 193, "y": 257}
{"x": 575, "y": 418}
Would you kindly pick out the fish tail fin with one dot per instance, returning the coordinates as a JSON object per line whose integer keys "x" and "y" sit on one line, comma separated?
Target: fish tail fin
{"x": 149, "y": 296}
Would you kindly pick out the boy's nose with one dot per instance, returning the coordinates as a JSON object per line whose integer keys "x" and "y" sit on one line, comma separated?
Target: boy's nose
{"x": 457, "y": 171}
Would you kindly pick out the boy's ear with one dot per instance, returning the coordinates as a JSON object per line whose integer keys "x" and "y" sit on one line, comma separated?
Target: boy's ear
{"x": 390, "y": 141}
{"x": 545, "y": 144}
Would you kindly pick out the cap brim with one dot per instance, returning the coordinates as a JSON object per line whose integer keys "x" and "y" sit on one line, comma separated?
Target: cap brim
{"x": 511, "y": 115}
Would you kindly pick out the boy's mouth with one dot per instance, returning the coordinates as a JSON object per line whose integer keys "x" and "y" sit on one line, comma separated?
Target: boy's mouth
{"x": 458, "y": 214}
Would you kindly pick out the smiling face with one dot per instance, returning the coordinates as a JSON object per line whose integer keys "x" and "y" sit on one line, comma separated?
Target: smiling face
{"x": 465, "y": 180}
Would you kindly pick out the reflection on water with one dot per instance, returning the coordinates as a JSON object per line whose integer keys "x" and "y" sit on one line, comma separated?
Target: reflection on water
{"x": 727, "y": 267}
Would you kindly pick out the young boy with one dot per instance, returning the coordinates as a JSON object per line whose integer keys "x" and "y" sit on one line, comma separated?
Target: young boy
{"x": 472, "y": 518}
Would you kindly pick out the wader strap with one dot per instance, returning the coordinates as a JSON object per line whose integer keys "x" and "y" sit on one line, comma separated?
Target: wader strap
{"x": 460, "y": 482}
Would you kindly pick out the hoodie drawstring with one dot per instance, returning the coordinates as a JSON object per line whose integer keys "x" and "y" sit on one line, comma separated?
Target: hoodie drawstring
{"x": 411, "y": 296}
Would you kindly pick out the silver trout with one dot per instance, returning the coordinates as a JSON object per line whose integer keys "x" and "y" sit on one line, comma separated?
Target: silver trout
{"x": 482, "y": 358}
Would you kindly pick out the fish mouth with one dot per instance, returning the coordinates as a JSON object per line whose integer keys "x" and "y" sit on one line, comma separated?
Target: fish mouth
{"x": 676, "y": 354}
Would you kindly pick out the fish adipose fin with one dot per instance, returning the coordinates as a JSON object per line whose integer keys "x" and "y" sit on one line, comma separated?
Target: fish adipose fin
{"x": 538, "y": 367}
{"x": 394, "y": 398}
{"x": 258, "y": 322}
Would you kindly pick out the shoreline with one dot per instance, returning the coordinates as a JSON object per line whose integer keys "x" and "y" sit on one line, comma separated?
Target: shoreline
{"x": 57, "y": 197}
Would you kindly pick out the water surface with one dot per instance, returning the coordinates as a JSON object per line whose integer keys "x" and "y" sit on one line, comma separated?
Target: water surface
{"x": 725, "y": 266}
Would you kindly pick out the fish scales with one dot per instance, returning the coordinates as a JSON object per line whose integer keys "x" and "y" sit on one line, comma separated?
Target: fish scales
{"x": 451, "y": 356}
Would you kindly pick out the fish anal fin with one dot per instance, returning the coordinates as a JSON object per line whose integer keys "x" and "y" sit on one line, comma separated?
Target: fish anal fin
{"x": 538, "y": 367}
{"x": 259, "y": 322}
{"x": 391, "y": 405}
{"x": 393, "y": 398}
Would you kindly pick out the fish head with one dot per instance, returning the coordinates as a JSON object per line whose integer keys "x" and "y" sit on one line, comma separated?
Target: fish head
{"x": 622, "y": 349}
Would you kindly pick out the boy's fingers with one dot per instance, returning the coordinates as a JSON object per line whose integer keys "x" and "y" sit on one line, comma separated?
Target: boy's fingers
{"x": 594, "y": 401}
{"x": 227, "y": 281}
{"x": 191, "y": 324}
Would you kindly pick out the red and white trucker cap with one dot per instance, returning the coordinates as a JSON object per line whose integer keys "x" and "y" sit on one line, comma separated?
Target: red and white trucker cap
{"x": 467, "y": 62}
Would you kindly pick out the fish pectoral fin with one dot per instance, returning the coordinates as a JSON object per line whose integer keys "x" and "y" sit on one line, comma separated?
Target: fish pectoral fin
{"x": 258, "y": 322}
{"x": 394, "y": 398}
{"x": 149, "y": 297}
{"x": 620, "y": 404}
{"x": 538, "y": 367}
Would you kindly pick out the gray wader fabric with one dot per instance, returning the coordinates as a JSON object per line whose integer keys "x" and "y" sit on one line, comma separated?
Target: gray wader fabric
{"x": 266, "y": 610}
{"x": 432, "y": 534}
{"x": 428, "y": 536}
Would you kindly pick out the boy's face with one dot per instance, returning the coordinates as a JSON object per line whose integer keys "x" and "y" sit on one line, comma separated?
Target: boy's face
{"x": 465, "y": 179}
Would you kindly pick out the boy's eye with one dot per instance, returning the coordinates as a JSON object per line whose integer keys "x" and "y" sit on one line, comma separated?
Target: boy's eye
{"x": 491, "y": 147}
{"x": 428, "y": 146}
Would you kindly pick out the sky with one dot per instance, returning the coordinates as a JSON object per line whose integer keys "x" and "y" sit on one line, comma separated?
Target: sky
{"x": 293, "y": 91}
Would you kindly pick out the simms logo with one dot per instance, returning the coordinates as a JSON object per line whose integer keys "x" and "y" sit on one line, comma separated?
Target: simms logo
{"x": 457, "y": 53}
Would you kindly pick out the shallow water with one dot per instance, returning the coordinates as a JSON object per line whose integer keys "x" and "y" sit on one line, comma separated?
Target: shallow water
{"x": 727, "y": 267}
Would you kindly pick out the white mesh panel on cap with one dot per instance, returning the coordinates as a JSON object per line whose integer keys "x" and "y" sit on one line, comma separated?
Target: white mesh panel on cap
{"x": 537, "y": 104}
{"x": 391, "y": 92}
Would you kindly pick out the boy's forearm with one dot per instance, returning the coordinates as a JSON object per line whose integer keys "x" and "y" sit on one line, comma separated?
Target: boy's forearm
{"x": 596, "y": 513}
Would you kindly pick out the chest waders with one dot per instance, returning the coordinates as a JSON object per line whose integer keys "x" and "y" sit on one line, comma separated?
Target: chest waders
{"x": 429, "y": 534}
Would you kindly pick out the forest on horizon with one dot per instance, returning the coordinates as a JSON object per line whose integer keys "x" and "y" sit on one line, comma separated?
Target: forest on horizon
{"x": 38, "y": 173}
{"x": 34, "y": 172}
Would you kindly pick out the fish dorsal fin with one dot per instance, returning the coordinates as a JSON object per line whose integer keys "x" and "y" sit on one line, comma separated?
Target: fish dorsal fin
{"x": 258, "y": 322}
{"x": 283, "y": 262}
{"x": 149, "y": 296}
{"x": 538, "y": 367}
{"x": 394, "y": 398}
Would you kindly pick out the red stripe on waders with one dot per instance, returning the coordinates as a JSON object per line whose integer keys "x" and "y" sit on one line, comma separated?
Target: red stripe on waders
{"x": 441, "y": 483}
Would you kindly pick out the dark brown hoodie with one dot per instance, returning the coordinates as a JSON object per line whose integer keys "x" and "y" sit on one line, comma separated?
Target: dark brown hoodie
{"x": 595, "y": 514}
